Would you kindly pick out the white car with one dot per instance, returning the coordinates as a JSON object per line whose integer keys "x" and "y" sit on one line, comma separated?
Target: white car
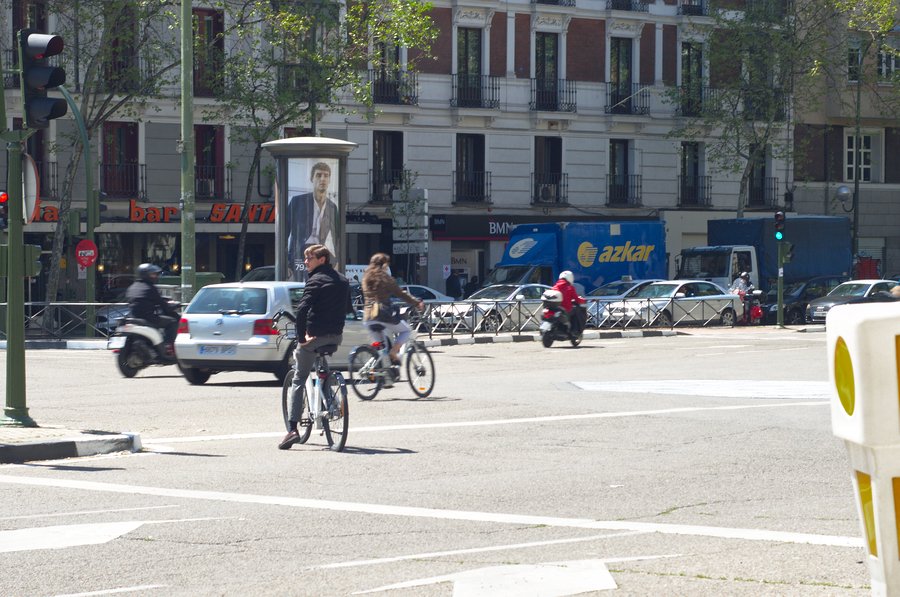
{"x": 501, "y": 307}
{"x": 678, "y": 302}
{"x": 229, "y": 327}
{"x": 599, "y": 298}
{"x": 427, "y": 294}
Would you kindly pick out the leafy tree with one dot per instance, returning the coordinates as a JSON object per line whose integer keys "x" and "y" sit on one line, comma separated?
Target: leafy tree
{"x": 289, "y": 60}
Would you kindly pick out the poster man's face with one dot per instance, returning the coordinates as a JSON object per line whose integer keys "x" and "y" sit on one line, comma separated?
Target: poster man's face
{"x": 321, "y": 179}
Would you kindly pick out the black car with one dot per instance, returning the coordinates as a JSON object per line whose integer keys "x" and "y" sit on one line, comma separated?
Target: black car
{"x": 797, "y": 296}
{"x": 852, "y": 292}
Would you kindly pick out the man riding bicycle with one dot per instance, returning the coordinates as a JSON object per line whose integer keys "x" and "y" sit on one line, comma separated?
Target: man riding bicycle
{"x": 378, "y": 287}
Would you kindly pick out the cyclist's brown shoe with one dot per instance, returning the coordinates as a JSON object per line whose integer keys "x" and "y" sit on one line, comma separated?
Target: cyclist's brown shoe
{"x": 289, "y": 440}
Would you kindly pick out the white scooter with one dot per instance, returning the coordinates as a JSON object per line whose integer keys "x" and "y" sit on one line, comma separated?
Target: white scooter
{"x": 138, "y": 345}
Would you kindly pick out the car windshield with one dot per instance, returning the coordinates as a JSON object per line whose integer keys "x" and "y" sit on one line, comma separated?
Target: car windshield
{"x": 790, "y": 290}
{"x": 849, "y": 289}
{"x": 611, "y": 289}
{"x": 260, "y": 274}
{"x": 492, "y": 293}
{"x": 229, "y": 300}
{"x": 507, "y": 273}
{"x": 656, "y": 291}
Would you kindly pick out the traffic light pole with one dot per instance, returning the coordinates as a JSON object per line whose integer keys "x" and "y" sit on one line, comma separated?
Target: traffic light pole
{"x": 780, "y": 286}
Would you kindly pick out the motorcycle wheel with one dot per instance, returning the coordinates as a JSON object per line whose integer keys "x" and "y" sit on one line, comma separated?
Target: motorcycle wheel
{"x": 547, "y": 339}
{"x": 128, "y": 359}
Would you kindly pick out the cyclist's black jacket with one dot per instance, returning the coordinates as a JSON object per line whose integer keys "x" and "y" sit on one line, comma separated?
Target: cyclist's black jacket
{"x": 145, "y": 301}
{"x": 324, "y": 305}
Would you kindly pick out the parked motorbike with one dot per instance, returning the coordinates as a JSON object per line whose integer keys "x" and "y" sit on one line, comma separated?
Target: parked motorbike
{"x": 556, "y": 324}
{"x": 138, "y": 345}
{"x": 753, "y": 311}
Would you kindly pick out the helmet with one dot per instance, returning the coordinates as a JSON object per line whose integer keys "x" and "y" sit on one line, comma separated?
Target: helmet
{"x": 147, "y": 270}
{"x": 567, "y": 276}
{"x": 552, "y": 296}
{"x": 745, "y": 275}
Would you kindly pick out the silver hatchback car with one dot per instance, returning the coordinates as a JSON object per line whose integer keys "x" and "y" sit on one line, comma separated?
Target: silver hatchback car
{"x": 229, "y": 327}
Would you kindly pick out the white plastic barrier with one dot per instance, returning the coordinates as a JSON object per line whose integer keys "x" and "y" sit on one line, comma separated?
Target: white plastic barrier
{"x": 864, "y": 369}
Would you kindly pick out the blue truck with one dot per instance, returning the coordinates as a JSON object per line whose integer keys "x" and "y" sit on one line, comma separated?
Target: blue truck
{"x": 595, "y": 252}
{"x": 821, "y": 247}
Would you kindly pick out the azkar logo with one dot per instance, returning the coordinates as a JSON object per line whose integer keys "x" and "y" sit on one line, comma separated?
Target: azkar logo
{"x": 587, "y": 253}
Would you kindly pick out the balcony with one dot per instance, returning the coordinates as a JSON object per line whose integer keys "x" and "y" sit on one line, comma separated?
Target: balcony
{"x": 627, "y": 98}
{"x": 623, "y": 190}
{"x": 124, "y": 181}
{"x": 394, "y": 87}
{"x": 475, "y": 91}
{"x": 49, "y": 180}
{"x": 549, "y": 188}
{"x": 770, "y": 105}
{"x": 694, "y": 191}
{"x": 383, "y": 183}
{"x": 768, "y": 10}
{"x": 695, "y": 100}
{"x": 763, "y": 193}
{"x": 553, "y": 95}
{"x": 629, "y": 5}
{"x": 123, "y": 73}
{"x": 472, "y": 187}
{"x": 693, "y": 8}
{"x": 212, "y": 183}
{"x": 554, "y": 2}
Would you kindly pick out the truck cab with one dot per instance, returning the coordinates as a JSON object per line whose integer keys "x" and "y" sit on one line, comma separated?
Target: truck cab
{"x": 719, "y": 264}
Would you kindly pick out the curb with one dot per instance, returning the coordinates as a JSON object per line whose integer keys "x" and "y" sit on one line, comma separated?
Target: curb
{"x": 80, "y": 444}
{"x": 588, "y": 335}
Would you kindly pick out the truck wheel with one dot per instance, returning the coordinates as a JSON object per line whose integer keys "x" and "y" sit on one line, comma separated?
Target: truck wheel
{"x": 728, "y": 318}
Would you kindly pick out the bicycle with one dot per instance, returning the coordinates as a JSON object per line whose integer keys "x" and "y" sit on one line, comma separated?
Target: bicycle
{"x": 325, "y": 405}
{"x": 370, "y": 365}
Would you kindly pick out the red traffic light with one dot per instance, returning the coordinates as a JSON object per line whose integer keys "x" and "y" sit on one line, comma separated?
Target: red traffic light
{"x": 4, "y": 197}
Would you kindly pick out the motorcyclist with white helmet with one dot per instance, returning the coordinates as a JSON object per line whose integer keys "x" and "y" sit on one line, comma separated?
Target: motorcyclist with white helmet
{"x": 565, "y": 285}
{"x": 146, "y": 303}
{"x": 741, "y": 284}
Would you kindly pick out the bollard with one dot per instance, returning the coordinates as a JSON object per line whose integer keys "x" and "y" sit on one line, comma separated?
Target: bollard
{"x": 864, "y": 369}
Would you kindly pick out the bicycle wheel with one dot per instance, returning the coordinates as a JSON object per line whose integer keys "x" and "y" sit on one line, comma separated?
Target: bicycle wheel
{"x": 420, "y": 370}
{"x": 365, "y": 379}
{"x": 337, "y": 420}
{"x": 304, "y": 426}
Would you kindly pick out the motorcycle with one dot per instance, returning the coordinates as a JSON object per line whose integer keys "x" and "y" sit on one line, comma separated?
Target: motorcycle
{"x": 753, "y": 311}
{"x": 556, "y": 324}
{"x": 138, "y": 345}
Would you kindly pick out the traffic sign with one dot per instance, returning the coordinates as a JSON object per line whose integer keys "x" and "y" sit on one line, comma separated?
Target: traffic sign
{"x": 86, "y": 253}
{"x": 410, "y": 248}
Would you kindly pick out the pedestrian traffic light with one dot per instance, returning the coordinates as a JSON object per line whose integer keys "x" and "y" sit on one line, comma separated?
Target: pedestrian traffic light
{"x": 37, "y": 77}
{"x": 4, "y": 215}
{"x": 779, "y": 225}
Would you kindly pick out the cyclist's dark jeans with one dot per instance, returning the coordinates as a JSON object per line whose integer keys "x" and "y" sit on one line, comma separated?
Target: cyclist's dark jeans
{"x": 304, "y": 358}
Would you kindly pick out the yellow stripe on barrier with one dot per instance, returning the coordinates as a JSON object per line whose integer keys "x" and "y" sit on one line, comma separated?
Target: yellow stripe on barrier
{"x": 843, "y": 376}
{"x": 868, "y": 512}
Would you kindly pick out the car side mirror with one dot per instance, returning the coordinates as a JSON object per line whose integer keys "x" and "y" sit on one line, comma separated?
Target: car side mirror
{"x": 680, "y": 295}
{"x": 520, "y": 297}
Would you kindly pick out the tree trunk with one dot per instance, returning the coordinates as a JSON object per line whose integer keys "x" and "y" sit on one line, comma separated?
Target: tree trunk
{"x": 59, "y": 233}
{"x": 245, "y": 216}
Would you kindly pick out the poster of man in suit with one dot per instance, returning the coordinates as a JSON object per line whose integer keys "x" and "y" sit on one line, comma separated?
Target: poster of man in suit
{"x": 312, "y": 209}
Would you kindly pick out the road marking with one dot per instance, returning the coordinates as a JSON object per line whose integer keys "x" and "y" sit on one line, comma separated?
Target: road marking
{"x": 438, "y": 514}
{"x": 713, "y": 387}
{"x": 613, "y": 386}
{"x": 83, "y": 512}
{"x": 456, "y": 552}
{"x": 115, "y": 591}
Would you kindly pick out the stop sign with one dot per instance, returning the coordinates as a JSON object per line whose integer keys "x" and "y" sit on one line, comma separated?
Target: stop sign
{"x": 86, "y": 253}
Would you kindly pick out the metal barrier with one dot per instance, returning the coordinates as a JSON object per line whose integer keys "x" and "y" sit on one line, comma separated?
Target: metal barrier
{"x": 662, "y": 312}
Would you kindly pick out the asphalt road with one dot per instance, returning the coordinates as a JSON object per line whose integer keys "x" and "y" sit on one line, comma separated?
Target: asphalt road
{"x": 700, "y": 464}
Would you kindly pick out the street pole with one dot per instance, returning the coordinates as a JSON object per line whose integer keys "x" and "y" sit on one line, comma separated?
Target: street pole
{"x": 188, "y": 236}
{"x": 780, "y": 286}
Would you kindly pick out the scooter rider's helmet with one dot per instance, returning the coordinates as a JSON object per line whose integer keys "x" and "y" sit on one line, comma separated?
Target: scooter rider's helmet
{"x": 567, "y": 276}
{"x": 148, "y": 272}
{"x": 745, "y": 276}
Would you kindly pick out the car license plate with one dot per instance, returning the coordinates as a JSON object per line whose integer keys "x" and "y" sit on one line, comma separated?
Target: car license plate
{"x": 115, "y": 342}
{"x": 218, "y": 350}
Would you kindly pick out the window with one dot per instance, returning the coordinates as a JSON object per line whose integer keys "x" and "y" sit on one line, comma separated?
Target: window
{"x": 546, "y": 71}
{"x": 693, "y": 187}
{"x": 854, "y": 59}
{"x": 472, "y": 182}
{"x": 887, "y": 63}
{"x": 387, "y": 161}
{"x": 210, "y": 162}
{"x": 620, "y": 75}
{"x": 549, "y": 182}
{"x": 468, "y": 67}
{"x": 691, "y": 78}
{"x": 618, "y": 171}
{"x": 209, "y": 52}
{"x": 119, "y": 172}
{"x": 864, "y": 159}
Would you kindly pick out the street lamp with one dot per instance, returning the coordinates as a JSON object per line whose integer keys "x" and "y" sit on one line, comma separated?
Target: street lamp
{"x": 844, "y": 194}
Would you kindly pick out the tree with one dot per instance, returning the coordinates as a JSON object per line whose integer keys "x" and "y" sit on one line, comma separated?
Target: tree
{"x": 410, "y": 214}
{"x": 757, "y": 57}
{"x": 290, "y": 60}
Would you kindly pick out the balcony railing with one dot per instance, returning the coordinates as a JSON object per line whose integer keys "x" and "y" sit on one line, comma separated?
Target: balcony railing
{"x": 124, "y": 181}
{"x": 629, "y": 5}
{"x": 475, "y": 91}
{"x": 763, "y": 193}
{"x": 471, "y": 187}
{"x": 212, "y": 183}
{"x": 549, "y": 188}
{"x": 383, "y": 183}
{"x": 694, "y": 8}
{"x": 766, "y": 106}
{"x": 553, "y": 95}
{"x": 696, "y": 100}
{"x": 623, "y": 190}
{"x": 125, "y": 73}
{"x": 694, "y": 191}
{"x": 627, "y": 98}
{"x": 47, "y": 171}
{"x": 394, "y": 87}
{"x": 555, "y": 2}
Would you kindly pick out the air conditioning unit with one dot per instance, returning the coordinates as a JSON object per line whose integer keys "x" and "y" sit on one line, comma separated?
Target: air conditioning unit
{"x": 205, "y": 187}
{"x": 547, "y": 193}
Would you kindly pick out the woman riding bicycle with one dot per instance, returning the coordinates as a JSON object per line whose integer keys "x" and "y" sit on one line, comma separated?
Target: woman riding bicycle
{"x": 378, "y": 287}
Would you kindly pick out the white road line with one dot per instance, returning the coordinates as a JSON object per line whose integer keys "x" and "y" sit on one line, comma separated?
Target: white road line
{"x": 441, "y": 554}
{"x": 116, "y": 591}
{"x": 520, "y": 421}
{"x": 84, "y": 512}
{"x": 438, "y": 514}
{"x": 731, "y": 388}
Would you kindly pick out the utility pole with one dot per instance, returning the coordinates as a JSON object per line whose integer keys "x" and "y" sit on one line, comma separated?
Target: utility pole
{"x": 188, "y": 234}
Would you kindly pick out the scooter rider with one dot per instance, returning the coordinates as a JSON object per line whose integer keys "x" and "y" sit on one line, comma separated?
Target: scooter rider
{"x": 741, "y": 284}
{"x": 570, "y": 298}
{"x": 146, "y": 303}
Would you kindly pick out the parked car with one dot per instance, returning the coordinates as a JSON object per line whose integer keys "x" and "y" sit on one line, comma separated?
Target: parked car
{"x": 854, "y": 291}
{"x": 264, "y": 273}
{"x": 107, "y": 318}
{"x": 229, "y": 327}
{"x": 797, "y": 296}
{"x": 499, "y": 307}
{"x": 677, "y": 302}
{"x": 599, "y": 298}
{"x": 429, "y": 295}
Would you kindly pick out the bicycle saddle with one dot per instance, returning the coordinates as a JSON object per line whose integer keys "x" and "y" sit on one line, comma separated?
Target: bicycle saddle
{"x": 327, "y": 349}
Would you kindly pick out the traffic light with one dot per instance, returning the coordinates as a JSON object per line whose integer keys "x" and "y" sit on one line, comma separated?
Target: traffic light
{"x": 4, "y": 215}
{"x": 37, "y": 77}
{"x": 779, "y": 225}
